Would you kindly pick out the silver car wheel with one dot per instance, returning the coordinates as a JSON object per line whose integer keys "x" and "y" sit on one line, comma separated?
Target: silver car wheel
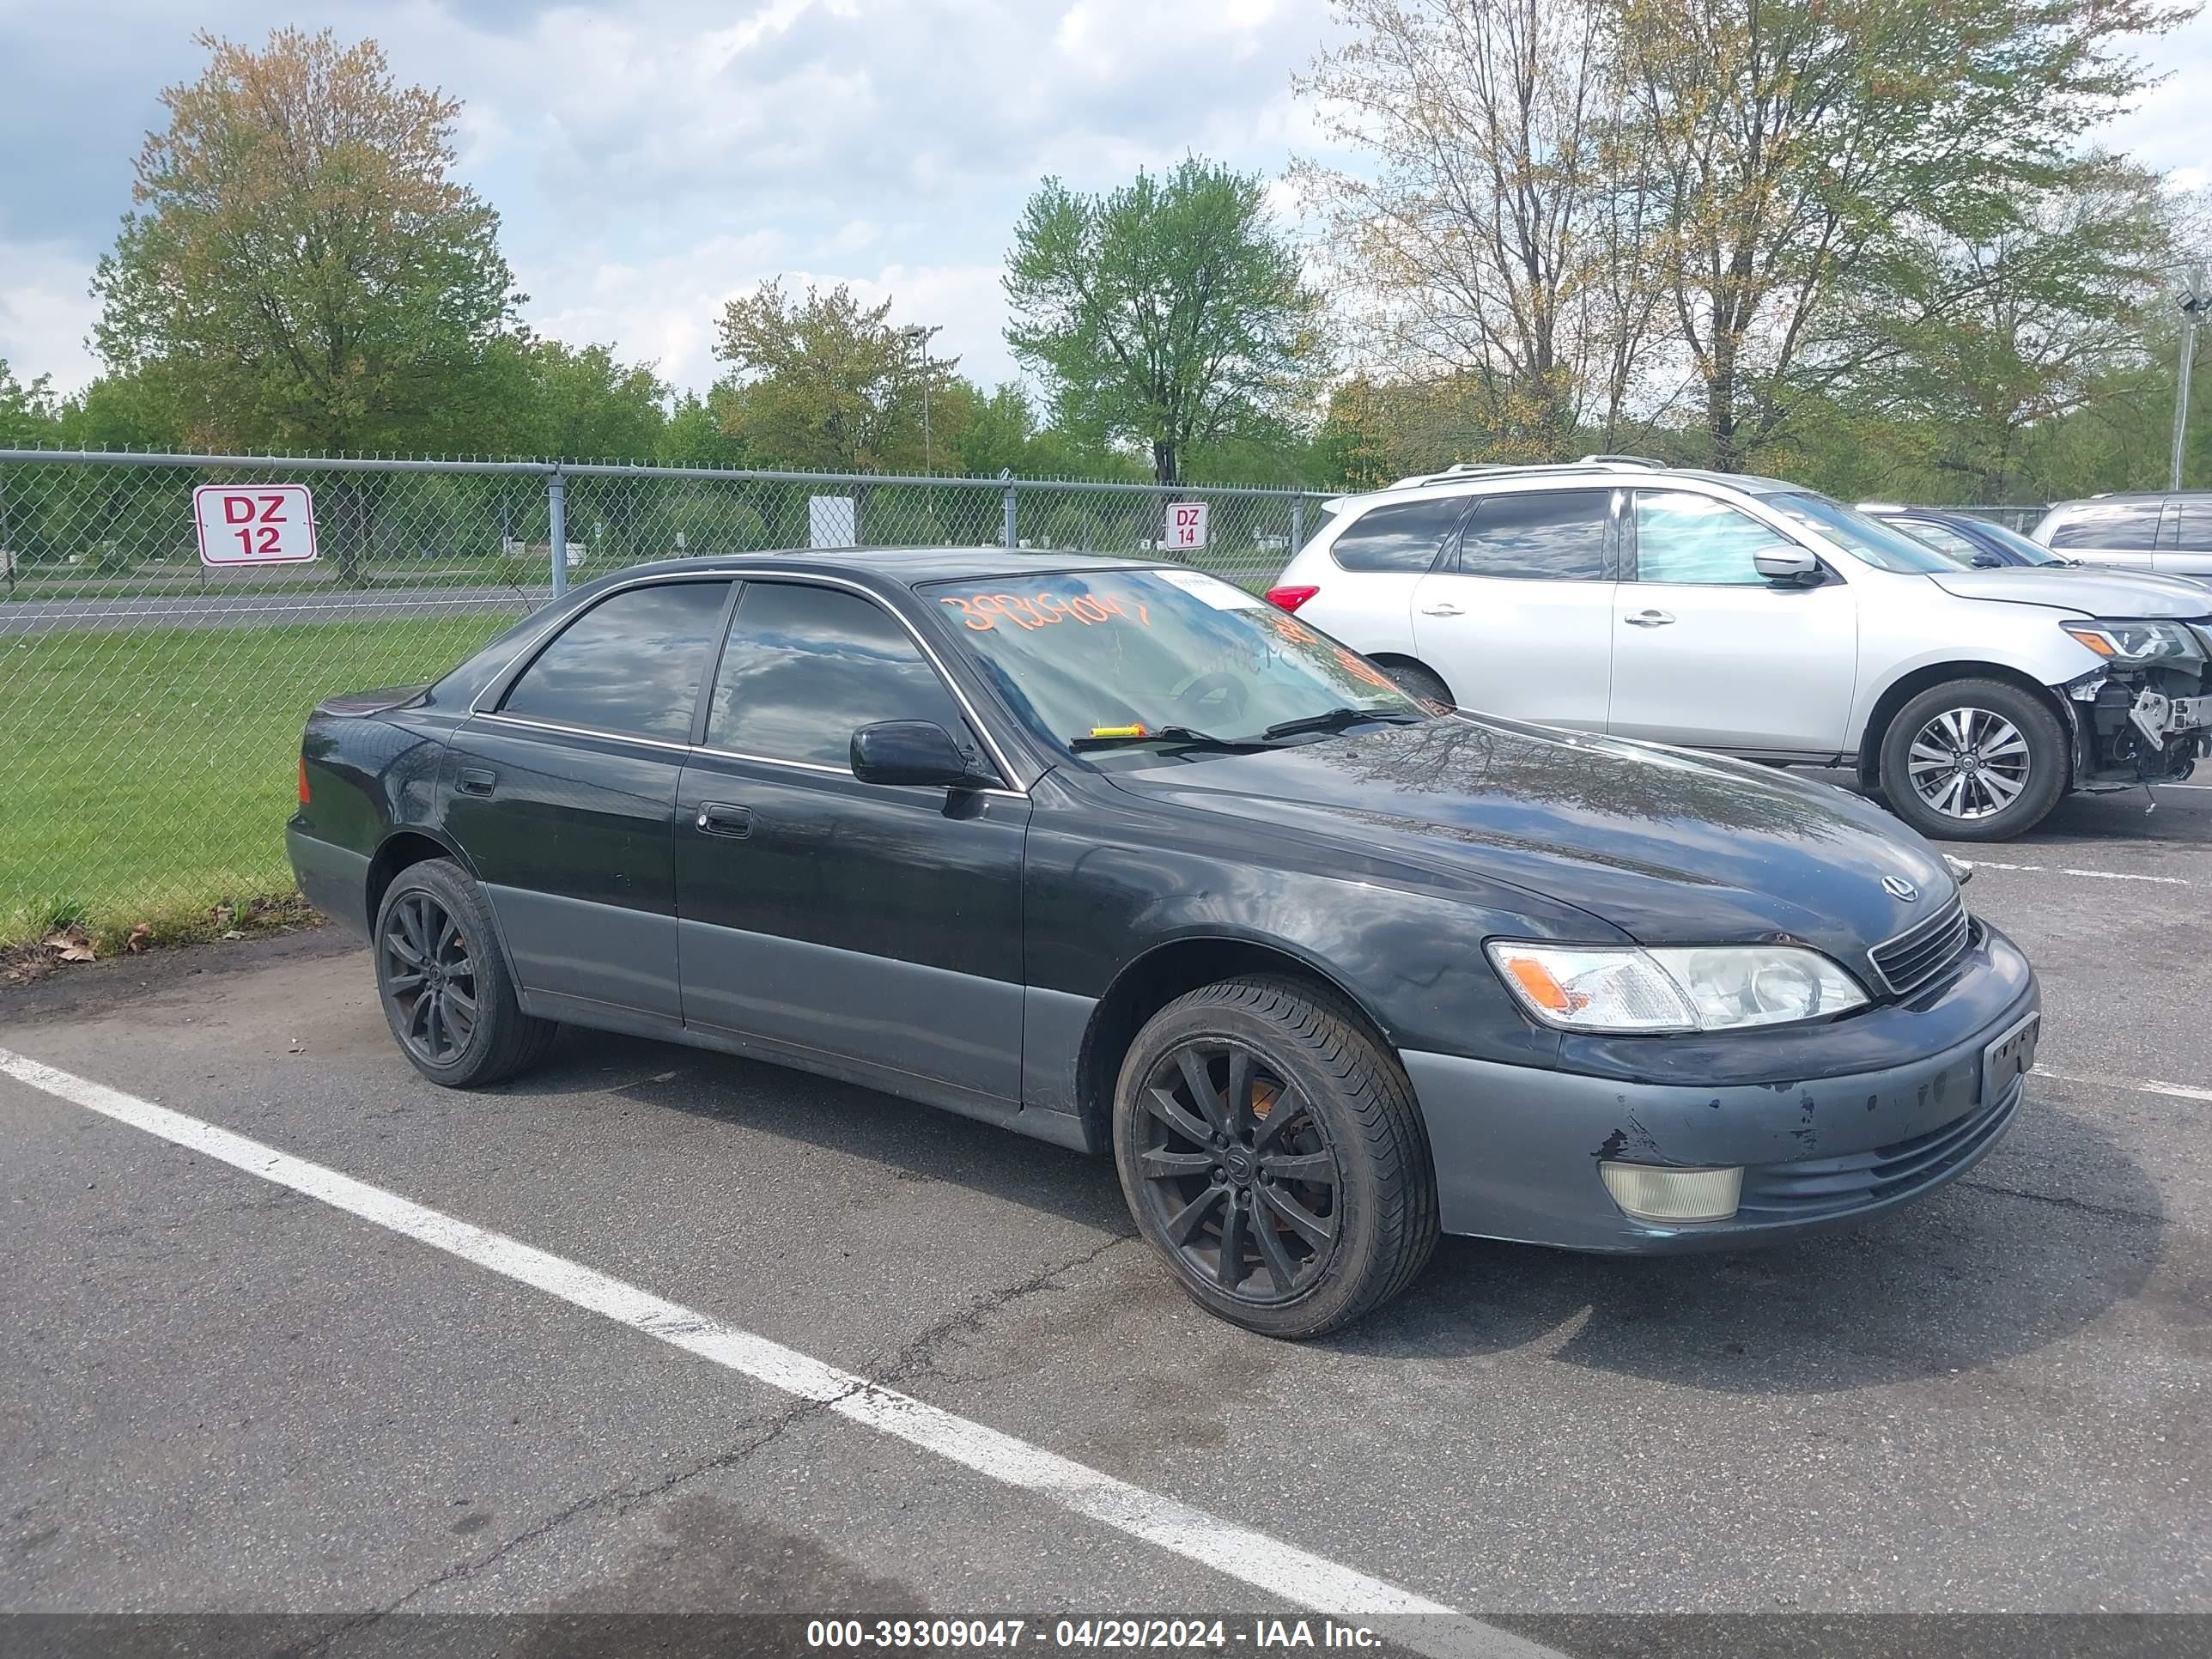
{"x": 1968, "y": 763}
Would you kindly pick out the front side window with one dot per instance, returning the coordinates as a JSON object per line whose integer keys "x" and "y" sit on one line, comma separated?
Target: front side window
{"x": 2108, "y": 526}
{"x": 806, "y": 666}
{"x": 1698, "y": 541}
{"x": 1123, "y": 666}
{"x": 630, "y": 665}
{"x": 1400, "y": 535}
{"x": 2194, "y": 530}
{"x": 1551, "y": 535}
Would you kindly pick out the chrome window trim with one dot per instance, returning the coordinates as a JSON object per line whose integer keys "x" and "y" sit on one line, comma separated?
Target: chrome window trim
{"x": 585, "y": 732}
{"x": 1015, "y": 785}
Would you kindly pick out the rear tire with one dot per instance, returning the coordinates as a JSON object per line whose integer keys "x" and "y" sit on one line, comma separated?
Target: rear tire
{"x": 444, "y": 984}
{"x": 1293, "y": 1192}
{"x": 1415, "y": 681}
{"x": 1973, "y": 760}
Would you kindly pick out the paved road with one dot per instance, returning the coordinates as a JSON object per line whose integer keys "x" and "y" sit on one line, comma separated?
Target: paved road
{"x": 221, "y": 1393}
{"x": 216, "y": 609}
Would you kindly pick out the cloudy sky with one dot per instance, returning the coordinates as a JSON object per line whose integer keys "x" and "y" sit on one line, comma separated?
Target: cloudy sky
{"x": 651, "y": 160}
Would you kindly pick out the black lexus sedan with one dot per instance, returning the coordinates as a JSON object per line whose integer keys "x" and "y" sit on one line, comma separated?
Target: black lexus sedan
{"x": 1123, "y": 858}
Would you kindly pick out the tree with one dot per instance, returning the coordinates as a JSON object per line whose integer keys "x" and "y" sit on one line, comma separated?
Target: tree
{"x": 299, "y": 256}
{"x": 28, "y": 414}
{"x": 1789, "y": 147}
{"x": 1168, "y": 312}
{"x": 2005, "y": 332}
{"x": 1493, "y": 242}
{"x": 824, "y": 383}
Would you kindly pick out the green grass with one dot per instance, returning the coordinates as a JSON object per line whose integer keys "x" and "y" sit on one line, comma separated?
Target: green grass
{"x": 146, "y": 776}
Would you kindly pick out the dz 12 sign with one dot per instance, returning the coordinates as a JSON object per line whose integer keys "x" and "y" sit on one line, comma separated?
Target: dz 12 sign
{"x": 269, "y": 524}
{"x": 1186, "y": 524}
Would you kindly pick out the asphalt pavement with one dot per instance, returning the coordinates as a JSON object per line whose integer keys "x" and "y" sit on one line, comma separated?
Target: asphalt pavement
{"x": 216, "y": 608}
{"x": 226, "y": 1386}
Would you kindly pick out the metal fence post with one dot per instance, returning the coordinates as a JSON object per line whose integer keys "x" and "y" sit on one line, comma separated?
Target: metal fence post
{"x": 1298, "y": 525}
{"x": 7, "y": 553}
{"x": 1008, "y": 505}
{"x": 557, "y": 507}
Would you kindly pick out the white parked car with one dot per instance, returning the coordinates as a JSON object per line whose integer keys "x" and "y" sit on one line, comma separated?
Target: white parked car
{"x": 1753, "y": 617}
{"x": 2168, "y": 531}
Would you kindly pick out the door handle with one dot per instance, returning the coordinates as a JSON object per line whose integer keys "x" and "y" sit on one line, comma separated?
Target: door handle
{"x": 1650, "y": 618}
{"x": 718, "y": 818}
{"x": 1445, "y": 609}
{"x": 475, "y": 781}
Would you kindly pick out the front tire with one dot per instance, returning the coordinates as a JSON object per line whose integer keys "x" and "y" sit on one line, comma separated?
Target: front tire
{"x": 1273, "y": 1153}
{"x": 445, "y": 987}
{"x": 1973, "y": 760}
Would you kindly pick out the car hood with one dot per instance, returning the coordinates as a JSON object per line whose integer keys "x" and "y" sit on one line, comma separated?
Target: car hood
{"x": 2089, "y": 589}
{"x": 1667, "y": 845}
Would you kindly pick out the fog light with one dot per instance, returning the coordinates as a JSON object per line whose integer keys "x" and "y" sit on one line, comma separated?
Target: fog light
{"x": 1651, "y": 1193}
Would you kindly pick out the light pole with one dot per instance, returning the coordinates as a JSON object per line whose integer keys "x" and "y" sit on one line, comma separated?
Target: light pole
{"x": 916, "y": 334}
{"x": 2196, "y": 300}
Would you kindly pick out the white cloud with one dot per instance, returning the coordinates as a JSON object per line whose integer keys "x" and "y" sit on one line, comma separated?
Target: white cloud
{"x": 45, "y": 312}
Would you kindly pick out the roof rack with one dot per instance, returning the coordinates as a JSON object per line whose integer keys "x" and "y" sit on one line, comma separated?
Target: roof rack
{"x": 1478, "y": 469}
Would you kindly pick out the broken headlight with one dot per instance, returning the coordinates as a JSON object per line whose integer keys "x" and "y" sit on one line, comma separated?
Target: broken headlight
{"x": 2135, "y": 642}
{"x": 1696, "y": 988}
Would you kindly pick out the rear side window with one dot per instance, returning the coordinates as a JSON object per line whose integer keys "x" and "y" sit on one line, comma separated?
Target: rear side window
{"x": 630, "y": 665}
{"x": 807, "y": 666}
{"x": 2114, "y": 526}
{"x": 1401, "y": 536}
{"x": 2195, "y": 530}
{"x": 1544, "y": 535}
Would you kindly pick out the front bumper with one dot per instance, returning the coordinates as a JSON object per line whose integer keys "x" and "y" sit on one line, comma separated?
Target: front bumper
{"x": 1516, "y": 1148}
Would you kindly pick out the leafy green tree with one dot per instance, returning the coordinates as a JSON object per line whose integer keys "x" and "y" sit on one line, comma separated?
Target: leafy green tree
{"x": 299, "y": 254}
{"x": 1789, "y": 147}
{"x": 698, "y": 433}
{"x": 28, "y": 415}
{"x": 1166, "y": 314}
{"x": 826, "y": 383}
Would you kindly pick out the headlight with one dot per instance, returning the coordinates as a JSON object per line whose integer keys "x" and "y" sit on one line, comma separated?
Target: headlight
{"x": 2135, "y": 642}
{"x": 1697, "y": 987}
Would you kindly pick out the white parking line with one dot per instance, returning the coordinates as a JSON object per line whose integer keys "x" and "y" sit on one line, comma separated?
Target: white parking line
{"x": 2099, "y": 875}
{"x": 2179, "y": 1090}
{"x": 1252, "y": 1558}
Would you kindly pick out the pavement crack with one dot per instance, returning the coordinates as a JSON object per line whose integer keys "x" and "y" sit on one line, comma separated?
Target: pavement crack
{"x": 919, "y": 1357}
{"x": 617, "y": 1501}
{"x": 2109, "y": 1211}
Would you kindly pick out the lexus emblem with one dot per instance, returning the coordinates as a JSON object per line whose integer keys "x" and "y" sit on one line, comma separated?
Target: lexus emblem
{"x": 1898, "y": 887}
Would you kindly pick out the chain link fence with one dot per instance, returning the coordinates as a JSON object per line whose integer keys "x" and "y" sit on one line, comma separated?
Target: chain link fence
{"x": 150, "y": 704}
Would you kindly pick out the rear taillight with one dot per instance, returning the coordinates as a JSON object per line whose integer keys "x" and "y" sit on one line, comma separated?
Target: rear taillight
{"x": 1290, "y": 599}
{"x": 303, "y": 779}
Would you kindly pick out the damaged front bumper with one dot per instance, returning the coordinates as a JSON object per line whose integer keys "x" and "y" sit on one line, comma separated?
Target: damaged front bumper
{"x": 1829, "y": 1123}
{"x": 2131, "y": 725}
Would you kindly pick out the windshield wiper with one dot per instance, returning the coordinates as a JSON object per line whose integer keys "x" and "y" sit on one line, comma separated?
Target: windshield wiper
{"x": 1335, "y": 719}
{"x": 1182, "y": 736}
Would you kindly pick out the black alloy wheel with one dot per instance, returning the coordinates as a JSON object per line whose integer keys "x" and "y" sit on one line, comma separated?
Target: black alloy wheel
{"x": 1237, "y": 1172}
{"x": 444, "y": 982}
{"x": 431, "y": 977}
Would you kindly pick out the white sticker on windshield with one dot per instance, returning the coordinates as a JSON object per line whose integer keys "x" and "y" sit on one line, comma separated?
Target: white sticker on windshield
{"x": 1221, "y": 595}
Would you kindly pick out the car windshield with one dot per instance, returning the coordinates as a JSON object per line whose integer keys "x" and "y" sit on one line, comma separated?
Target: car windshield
{"x": 1140, "y": 662}
{"x": 1883, "y": 546}
{"x": 2026, "y": 551}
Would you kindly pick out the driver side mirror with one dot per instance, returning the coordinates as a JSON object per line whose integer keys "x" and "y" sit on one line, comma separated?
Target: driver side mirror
{"x": 914, "y": 752}
{"x": 1787, "y": 564}
{"x": 1988, "y": 562}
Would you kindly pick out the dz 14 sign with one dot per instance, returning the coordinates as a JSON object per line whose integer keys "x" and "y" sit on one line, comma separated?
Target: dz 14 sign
{"x": 1186, "y": 524}
{"x": 269, "y": 524}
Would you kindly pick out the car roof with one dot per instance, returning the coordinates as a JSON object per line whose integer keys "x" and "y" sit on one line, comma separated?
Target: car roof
{"x": 905, "y": 565}
{"x": 2135, "y": 496}
{"x": 1471, "y": 480}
